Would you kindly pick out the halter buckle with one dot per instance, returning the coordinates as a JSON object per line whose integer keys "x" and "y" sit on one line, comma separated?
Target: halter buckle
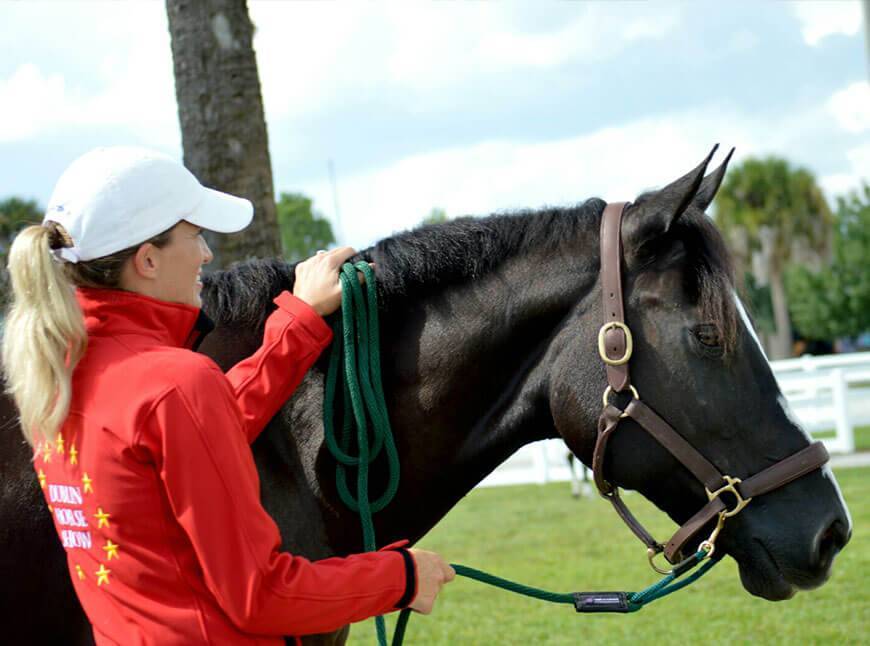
{"x": 602, "y": 346}
{"x": 730, "y": 487}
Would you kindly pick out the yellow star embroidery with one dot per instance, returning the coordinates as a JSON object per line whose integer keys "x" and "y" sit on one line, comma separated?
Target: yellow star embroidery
{"x": 102, "y": 575}
{"x": 80, "y": 572}
{"x": 42, "y": 478}
{"x": 46, "y": 452}
{"x": 102, "y": 518}
{"x": 73, "y": 455}
{"x": 111, "y": 550}
{"x": 60, "y": 443}
{"x": 86, "y": 482}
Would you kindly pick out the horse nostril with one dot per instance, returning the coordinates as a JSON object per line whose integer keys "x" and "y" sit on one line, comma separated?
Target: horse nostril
{"x": 831, "y": 541}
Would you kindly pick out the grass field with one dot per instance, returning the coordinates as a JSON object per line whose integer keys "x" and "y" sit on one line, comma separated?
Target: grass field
{"x": 542, "y": 537}
{"x": 862, "y": 438}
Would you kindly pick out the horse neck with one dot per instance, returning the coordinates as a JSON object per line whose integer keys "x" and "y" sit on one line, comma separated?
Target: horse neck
{"x": 467, "y": 379}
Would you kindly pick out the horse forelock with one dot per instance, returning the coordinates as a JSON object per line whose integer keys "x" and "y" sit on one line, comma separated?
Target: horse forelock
{"x": 710, "y": 275}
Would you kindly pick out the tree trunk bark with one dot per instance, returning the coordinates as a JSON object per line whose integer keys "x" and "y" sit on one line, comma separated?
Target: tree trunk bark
{"x": 223, "y": 130}
{"x": 781, "y": 340}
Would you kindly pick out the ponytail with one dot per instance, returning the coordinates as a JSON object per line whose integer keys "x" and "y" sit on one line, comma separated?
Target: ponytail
{"x": 44, "y": 335}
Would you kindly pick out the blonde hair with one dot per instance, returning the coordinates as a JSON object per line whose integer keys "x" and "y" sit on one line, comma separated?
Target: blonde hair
{"x": 44, "y": 335}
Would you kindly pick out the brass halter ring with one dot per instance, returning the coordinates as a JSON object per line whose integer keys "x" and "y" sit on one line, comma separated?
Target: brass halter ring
{"x": 602, "y": 346}
{"x": 730, "y": 487}
{"x": 609, "y": 390}
{"x": 707, "y": 547}
{"x": 651, "y": 553}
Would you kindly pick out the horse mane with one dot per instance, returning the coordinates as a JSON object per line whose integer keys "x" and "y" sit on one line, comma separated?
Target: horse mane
{"x": 410, "y": 263}
{"x": 433, "y": 256}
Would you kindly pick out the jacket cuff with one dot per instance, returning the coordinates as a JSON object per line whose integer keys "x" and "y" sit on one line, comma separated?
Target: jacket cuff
{"x": 410, "y": 592}
{"x": 302, "y": 312}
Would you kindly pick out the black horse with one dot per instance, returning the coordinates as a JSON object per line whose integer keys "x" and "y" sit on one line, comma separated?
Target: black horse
{"x": 489, "y": 342}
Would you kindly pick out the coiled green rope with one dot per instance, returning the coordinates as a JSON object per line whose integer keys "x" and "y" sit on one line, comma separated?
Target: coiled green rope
{"x": 363, "y": 396}
{"x": 363, "y": 393}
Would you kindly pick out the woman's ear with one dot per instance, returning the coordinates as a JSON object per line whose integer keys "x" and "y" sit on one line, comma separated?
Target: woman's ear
{"x": 146, "y": 261}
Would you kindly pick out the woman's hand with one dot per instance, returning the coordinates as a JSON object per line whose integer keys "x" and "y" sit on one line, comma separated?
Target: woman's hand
{"x": 432, "y": 573}
{"x": 317, "y": 280}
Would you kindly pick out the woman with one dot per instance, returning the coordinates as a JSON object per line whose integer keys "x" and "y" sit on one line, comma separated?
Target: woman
{"x": 141, "y": 444}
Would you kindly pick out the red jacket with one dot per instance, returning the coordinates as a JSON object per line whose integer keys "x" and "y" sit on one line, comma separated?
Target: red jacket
{"x": 155, "y": 495}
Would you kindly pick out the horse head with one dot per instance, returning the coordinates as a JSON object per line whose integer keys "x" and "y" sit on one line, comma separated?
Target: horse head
{"x": 698, "y": 363}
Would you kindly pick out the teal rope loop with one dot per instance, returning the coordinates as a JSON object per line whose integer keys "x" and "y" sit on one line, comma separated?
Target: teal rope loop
{"x": 636, "y": 600}
{"x": 365, "y": 409}
{"x": 363, "y": 394}
{"x": 512, "y": 586}
{"x": 666, "y": 586}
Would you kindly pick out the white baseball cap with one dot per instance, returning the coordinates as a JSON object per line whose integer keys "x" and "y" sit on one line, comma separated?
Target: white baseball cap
{"x": 116, "y": 197}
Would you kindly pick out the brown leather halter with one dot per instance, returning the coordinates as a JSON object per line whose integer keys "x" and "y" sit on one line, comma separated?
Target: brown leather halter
{"x": 615, "y": 348}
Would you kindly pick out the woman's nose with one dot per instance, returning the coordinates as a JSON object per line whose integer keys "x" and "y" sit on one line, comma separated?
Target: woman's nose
{"x": 207, "y": 255}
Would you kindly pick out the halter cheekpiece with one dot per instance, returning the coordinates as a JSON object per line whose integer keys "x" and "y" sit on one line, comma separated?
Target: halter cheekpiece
{"x": 615, "y": 347}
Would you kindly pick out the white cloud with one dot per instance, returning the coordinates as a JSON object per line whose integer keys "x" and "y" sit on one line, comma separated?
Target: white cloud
{"x": 311, "y": 55}
{"x": 615, "y": 163}
{"x": 130, "y": 84}
{"x": 28, "y": 101}
{"x": 838, "y": 184}
{"x": 851, "y": 107}
{"x": 859, "y": 156}
{"x": 822, "y": 18}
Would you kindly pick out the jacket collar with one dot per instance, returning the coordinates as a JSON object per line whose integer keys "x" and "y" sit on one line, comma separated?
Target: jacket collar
{"x": 109, "y": 312}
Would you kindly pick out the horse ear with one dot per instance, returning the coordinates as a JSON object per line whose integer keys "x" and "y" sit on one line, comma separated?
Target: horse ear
{"x": 653, "y": 214}
{"x": 710, "y": 185}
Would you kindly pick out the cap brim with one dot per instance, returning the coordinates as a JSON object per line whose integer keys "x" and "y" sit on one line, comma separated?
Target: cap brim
{"x": 221, "y": 212}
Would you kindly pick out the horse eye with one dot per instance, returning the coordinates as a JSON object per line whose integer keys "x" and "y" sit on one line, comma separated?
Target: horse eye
{"x": 707, "y": 335}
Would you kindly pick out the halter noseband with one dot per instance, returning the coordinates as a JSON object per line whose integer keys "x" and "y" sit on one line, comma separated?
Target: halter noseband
{"x": 615, "y": 347}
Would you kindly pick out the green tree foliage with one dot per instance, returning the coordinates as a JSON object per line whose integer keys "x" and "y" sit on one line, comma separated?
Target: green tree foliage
{"x": 303, "y": 230}
{"x": 835, "y": 302}
{"x": 776, "y": 210}
{"x": 436, "y": 216}
{"x": 15, "y": 214}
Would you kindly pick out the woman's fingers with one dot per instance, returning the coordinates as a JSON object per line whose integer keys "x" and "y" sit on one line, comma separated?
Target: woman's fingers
{"x": 317, "y": 281}
{"x": 433, "y": 572}
{"x": 340, "y": 255}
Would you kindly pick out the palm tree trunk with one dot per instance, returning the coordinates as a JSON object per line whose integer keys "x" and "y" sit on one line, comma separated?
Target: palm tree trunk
{"x": 781, "y": 340}
{"x": 223, "y": 130}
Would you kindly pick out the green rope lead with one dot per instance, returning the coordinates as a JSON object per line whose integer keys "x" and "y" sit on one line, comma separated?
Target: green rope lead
{"x": 636, "y": 600}
{"x": 512, "y": 586}
{"x": 362, "y": 393}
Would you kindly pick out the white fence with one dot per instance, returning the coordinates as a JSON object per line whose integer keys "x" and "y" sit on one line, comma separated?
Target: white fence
{"x": 829, "y": 395}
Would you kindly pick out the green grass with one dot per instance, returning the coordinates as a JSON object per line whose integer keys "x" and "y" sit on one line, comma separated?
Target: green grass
{"x": 542, "y": 537}
{"x": 862, "y": 437}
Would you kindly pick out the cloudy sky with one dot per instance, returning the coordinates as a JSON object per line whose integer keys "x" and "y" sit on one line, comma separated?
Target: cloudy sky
{"x": 472, "y": 107}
